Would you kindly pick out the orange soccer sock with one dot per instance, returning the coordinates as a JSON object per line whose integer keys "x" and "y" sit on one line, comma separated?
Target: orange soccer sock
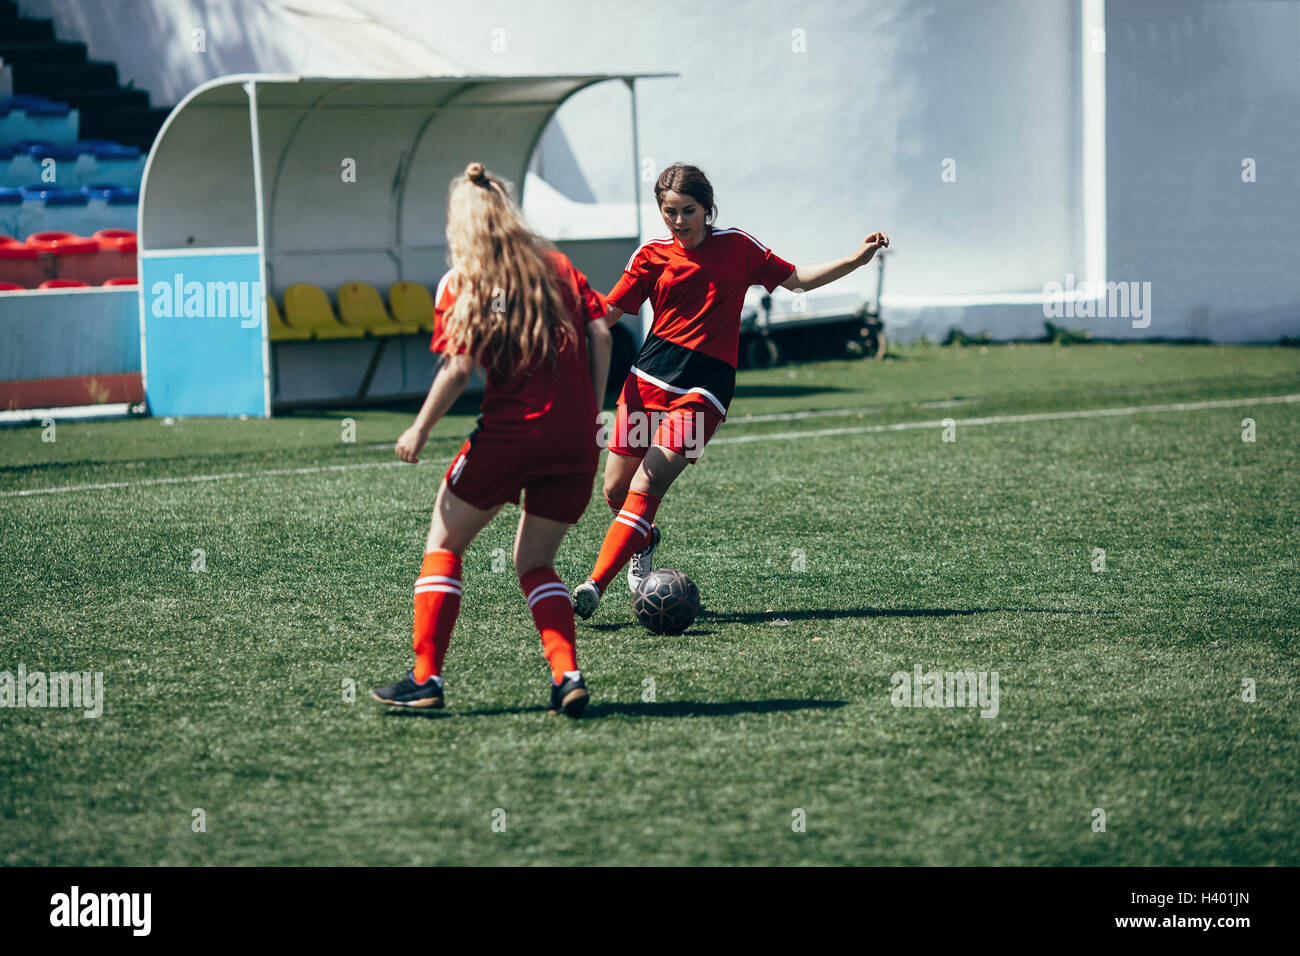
{"x": 628, "y": 533}
{"x": 437, "y": 602}
{"x": 552, "y": 609}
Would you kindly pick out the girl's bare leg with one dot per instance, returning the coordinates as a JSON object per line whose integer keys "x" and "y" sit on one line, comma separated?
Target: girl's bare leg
{"x": 537, "y": 542}
{"x": 619, "y": 471}
{"x": 437, "y": 599}
{"x": 632, "y": 537}
{"x": 658, "y": 470}
{"x": 455, "y": 522}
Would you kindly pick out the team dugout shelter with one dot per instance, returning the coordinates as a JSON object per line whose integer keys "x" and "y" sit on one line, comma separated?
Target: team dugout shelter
{"x": 292, "y": 232}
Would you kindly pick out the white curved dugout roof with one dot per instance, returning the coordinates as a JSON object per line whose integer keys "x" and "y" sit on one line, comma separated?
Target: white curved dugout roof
{"x": 407, "y": 138}
{"x": 258, "y": 182}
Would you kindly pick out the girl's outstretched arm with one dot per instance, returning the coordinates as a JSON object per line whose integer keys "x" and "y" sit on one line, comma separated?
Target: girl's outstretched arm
{"x": 447, "y": 386}
{"x": 807, "y": 278}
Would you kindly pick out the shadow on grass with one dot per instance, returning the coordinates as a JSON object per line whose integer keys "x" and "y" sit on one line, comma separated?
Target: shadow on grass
{"x": 758, "y": 390}
{"x": 427, "y": 714}
{"x": 835, "y": 614}
{"x": 843, "y": 613}
{"x": 675, "y": 708}
{"x": 709, "y": 708}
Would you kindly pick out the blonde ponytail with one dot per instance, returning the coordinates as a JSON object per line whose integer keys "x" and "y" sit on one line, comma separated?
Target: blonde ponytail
{"x": 509, "y": 312}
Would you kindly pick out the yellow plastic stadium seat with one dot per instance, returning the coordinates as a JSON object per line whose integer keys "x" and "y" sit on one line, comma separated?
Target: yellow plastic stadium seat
{"x": 308, "y": 307}
{"x": 361, "y": 307}
{"x": 280, "y": 332}
{"x": 412, "y": 306}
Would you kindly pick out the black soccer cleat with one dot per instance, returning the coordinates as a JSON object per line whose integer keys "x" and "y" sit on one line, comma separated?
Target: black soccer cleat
{"x": 407, "y": 693}
{"x": 569, "y": 698}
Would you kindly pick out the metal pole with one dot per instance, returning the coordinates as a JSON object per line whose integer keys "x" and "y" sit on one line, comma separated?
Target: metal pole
{"x": 636, "y": 196}
{"x": 251, "y": 88}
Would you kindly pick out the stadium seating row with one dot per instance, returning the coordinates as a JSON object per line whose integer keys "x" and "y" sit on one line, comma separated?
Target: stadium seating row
{"x": 37, "y": 207}
{"x": 35, "y": 117}
{"x": 67, "y": 284}
{"x": 56, "y": 255}
{"x": 72, "y": 166}
{"x": 52, "y": 179}
{"x": 308, "y": 314}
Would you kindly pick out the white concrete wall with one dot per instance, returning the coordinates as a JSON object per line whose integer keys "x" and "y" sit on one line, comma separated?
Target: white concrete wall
{"x": 154, "y": 42}
{"x": 1194, "y": 87}
{"x": 821, "y": 120}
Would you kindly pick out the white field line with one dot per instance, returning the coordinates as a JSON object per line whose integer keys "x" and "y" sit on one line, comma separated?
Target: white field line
{"x": 1014, "y": 419}
{"x": 738, "y": 440}
{"x": 797, "y": 416}
{"x": 188, "y": 479}
{"x": 833, "y": 412}
{"x": 79, "y": 413}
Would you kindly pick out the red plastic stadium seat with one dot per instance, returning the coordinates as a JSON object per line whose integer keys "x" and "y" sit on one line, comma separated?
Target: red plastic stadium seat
{"x": 21, "y": 264}
{"x": 108, "y": 254}
{"x": 12, "y": 287}
{"x": 72, "y": 256}
{"x": 61, "y": 243}
{"x": 122, "y": 280}
{"x": 123, "y": 240}
{"x": 117, "y": 249}
{"x": 64, "y": 284}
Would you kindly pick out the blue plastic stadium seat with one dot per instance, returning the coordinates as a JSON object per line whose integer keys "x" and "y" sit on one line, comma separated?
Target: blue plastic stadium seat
{"x": 52, "y": 208}
{"x": 11, "y": 206}
{"x": 34, "y": 117}
{"x": 107, "y": 161}
{"x": 103, "y": 213}
{"x": 86, "y": 161}
{"x": 30, "y": 160}
{"x": 123, "y": 209}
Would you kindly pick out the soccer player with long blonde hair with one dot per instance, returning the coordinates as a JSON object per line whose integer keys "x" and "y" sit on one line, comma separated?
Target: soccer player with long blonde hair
{"x": 517, "y": 307}
{"x": 678, "y": 392}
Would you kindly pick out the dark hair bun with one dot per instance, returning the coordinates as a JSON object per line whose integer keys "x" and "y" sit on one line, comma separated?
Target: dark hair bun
{"x": 690, "y": 181}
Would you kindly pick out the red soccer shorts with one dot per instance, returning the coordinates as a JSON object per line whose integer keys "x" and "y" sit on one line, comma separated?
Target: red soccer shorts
{"x": 648, "y": 416}
{"x": 488, "y": 472}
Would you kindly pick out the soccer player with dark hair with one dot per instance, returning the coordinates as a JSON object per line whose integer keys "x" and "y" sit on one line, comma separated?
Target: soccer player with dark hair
{"x": 685, "y": 375}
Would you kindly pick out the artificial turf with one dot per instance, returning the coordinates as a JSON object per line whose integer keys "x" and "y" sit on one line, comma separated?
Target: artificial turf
{"x": 826, "y": 564}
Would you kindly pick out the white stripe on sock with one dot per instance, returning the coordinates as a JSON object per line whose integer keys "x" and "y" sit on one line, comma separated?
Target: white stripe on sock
{"x": 547, "y": 590}
{"x": 640, "y": 521}
{"x": 437, "y": 579}
{"x": 444, "y": 588}
{"x": 547, "y": 586}
{"x": 634, "y": 525}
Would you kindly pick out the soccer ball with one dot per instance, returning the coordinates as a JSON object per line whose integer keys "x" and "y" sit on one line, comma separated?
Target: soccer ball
{"x": 666, "y": 601}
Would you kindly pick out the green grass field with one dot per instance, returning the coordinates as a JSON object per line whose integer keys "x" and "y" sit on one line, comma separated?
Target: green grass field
{"x": 826, "y": 563}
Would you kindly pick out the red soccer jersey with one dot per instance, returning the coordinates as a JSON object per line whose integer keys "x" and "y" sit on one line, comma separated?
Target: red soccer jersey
{"x": 697, "y": 296}
{"x": 550, "y": 404}
{"x": 697, "y": 293}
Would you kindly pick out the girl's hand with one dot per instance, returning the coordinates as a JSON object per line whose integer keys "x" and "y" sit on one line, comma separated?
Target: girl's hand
{"x": 409, "y": 445}
{"x": 870, "y": 246}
